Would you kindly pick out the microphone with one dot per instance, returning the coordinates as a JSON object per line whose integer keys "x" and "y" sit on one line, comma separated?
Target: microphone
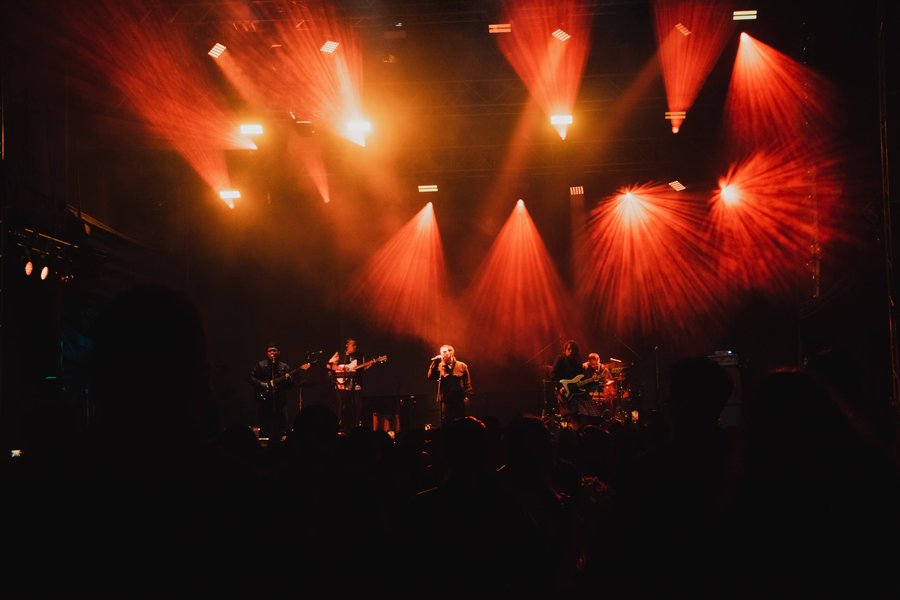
{"x": 436, "y": 357}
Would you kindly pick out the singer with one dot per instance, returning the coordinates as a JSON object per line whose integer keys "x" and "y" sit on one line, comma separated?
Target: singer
{"x": 454, "y": 384}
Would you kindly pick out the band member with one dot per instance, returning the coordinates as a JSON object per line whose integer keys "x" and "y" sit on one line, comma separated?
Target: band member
{"x": 346, "y": 369}
{"x": 454, "y": 384}
{"x": 590, "y": 403}
{"x": 567, "y": 366}
{"x": 271, "y": 379}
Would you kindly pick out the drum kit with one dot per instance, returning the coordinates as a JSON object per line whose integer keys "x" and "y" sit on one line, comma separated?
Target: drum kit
{"x": 612, "y": 399}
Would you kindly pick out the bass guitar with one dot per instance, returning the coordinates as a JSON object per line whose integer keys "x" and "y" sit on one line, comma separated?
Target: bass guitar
{"x": 569, "y": 388}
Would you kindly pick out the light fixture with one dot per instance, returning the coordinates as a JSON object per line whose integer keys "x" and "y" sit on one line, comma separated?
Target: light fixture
{"x": 744, "y": 15}
{"x": 677, "y": 185}
{"x": 428, "y": 188}
{"x": 229, "y": 196}
{"x": 561, "y": 35}
{"x": 576, "y": 190}
{"x": 329, "y": 47}
{"x": 499, "y": 28}
{"x": 561, "y": 124}
{"x": 677, "y": 117}
{"x": 216, "y": 51}
{"x": 251, "y": 129}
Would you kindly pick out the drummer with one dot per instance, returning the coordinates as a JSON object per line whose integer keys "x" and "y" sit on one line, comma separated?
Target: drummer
{"x": 590, "y": 407}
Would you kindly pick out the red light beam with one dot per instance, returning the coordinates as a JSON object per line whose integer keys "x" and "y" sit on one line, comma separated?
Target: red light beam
{"x": 405, "y": 282}
{"x": 517, "y": 300}
{"x": 691, "y": 36}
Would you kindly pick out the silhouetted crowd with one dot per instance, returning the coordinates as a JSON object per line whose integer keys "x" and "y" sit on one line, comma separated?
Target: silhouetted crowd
{"x": 153, "y": 499}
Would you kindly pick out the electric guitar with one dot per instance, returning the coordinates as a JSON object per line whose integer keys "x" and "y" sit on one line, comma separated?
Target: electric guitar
{"x": 347, "y": 371}
{"x": 570, "y": 388}
{"x": 273, "y": 385}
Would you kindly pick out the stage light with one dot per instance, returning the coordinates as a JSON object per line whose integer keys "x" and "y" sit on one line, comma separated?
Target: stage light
{"x": 561, "y": 35}
{"x": 229, "y": 196}
{"x": 29, "y": 268}
{"x": 499, "y": 28}
{"x": 357, "y": 130}
{"x": 216, "y": 51}
{"x": 744, "y": 15}
{"x": 428, "y": 188}
{"x": 730, "y": 194}
{"x": 45, "y": 272}
{"x": 677, "y": 117}
{"x": 576, "y": 190}
{"x": 359, "y": 126}
{"x": 683, "y": 30}
{"x": 329, "y": 47}
{"x": 561, "y": 124}
{"x": 251, "y": 129}
{"x": 677, "y": 185}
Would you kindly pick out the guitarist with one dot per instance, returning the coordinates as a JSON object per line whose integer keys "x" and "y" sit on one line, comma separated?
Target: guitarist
{"x": 568, "y": 365}
{"x": 346, "y": 369}
{"x": 271, "y": 379}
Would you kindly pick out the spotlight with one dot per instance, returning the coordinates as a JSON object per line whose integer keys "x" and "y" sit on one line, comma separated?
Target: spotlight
{"x": 677, "y": 117}
{"x": 359, "y": 126}
{"x": 329, "y": 47}
{"x": 29, "y": 268}
{"x": 229, "y": 196}
{"x": 216, "y": 51}
{"x": 561, "y": 35}
{"x": 428, "y": 188}
{"x": 576, "y": 190}
{"x": 730, "y": 194}
{"x": 683, "y": 30}
{"x": 677, "y": 185}
{"x": 357, "y": 130}
{"x": 743, "y": 15}
{"x": 251, "y": 129}
{"x": 561, "y": 124}
{"x": 45, "y": 272}
{"x": 499, "y": 28}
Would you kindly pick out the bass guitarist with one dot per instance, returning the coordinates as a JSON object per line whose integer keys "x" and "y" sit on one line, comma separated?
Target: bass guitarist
{"x": 271, "y": 379}
{"x": 566, "y": 367}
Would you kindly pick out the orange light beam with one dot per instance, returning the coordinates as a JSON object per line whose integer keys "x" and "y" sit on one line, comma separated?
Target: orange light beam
{"x": 161, "y": 75}
{"x": 551, "y": 69}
